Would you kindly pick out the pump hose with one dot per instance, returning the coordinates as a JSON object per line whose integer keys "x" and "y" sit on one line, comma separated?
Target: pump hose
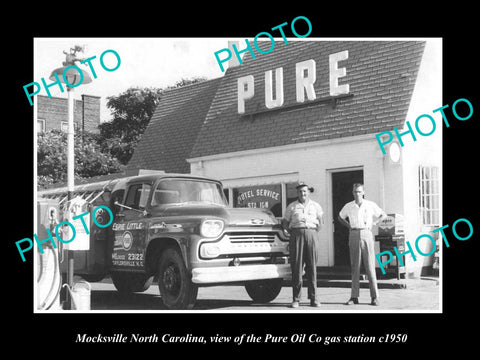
{"x": 56, "y": 285}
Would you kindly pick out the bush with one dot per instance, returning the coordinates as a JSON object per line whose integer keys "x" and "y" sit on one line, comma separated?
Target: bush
{"x": 89, "y": 159}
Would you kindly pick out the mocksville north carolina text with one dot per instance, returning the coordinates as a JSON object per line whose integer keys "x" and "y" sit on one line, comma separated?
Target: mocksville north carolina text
{"x": 58, "y": 230}
{"x": 241, "y": 339}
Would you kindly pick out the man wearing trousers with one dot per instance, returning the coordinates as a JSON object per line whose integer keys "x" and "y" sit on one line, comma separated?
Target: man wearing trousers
{"x": 362, "y": 215}
{"x": 303, "y": 218}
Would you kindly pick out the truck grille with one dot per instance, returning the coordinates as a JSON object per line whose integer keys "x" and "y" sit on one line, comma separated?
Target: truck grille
{"x": 244, "y": 244}
{"x": 251, "y": 237}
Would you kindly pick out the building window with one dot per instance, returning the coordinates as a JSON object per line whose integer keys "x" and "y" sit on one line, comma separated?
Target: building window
{"x": 137, "y": 196}
{"x": 64, "y": 126}
{"x": 226, "y": 194}
{"x": 260, "y": 196}
{"x": 40, "y": 125}
{"x": 274, "y": 197}
{"x": 291, "y": 192}
{"x": 429, "y": 195}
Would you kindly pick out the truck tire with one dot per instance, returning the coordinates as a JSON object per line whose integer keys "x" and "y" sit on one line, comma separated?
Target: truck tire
{"x": 93, "y": 277}
{"x": 127, "y": 282}
{"x": 174, "y": 281}
{"x": 264, "y": 291}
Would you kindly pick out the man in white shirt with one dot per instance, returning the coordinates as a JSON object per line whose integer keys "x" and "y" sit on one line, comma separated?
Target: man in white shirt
{"x": 362, "y": 215}
{"x": 303, "y": 218}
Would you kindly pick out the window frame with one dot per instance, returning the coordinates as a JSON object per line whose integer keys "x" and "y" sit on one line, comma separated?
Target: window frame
{"x": 284, "y": 199}
{"x": 44, "y": 124}
{"x": 135, "y": 187}
{"x": 429, "y": 195}
{"x": 223, "y": 199}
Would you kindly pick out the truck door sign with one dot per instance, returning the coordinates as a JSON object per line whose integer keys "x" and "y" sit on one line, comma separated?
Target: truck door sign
{"x": 129, "y": 241}
{"x": 123, "y": 241}
{"x": 128, "y": 245}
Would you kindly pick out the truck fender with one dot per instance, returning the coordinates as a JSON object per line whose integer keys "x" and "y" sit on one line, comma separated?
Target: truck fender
{"x": 155, "y": 248}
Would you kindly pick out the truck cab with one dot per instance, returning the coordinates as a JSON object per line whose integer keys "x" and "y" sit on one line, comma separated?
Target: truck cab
{"x": 179, "y": 230}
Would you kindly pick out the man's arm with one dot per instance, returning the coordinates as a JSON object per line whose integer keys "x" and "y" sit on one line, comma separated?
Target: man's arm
{"x": 287, "y": 218}
{"x": 342, "y": 216}
{"x": 285, "y": 224}
{"x": 382, "y": 217}
{"x": 344, "y": 222}
{"x": 380, "y": 214}
{"x": 319, "y": 217}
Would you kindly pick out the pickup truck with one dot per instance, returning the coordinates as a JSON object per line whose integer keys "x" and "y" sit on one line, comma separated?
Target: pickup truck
{"x": 179, "y": 231}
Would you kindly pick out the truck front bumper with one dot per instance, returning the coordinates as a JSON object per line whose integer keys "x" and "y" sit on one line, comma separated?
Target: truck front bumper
{"x": 224, "y": 274}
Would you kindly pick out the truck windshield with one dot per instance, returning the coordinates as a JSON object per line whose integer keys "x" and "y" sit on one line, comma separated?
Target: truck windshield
{"x": 179, "y": 191}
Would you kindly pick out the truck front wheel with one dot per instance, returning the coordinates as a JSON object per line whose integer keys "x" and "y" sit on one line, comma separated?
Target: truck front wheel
{"x": 174, "y": 281}
{"x": 264, "y": 291}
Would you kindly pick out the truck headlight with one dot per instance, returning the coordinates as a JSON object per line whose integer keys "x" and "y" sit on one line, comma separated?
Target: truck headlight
{"x": 211, "y": 228}
{"x": 210, "y": 250}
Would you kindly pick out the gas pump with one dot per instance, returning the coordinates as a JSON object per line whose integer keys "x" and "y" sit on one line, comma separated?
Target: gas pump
{"x": 77, "y": 213}
{"x": 49, "y": 280}
{"x": 74, "y": 236}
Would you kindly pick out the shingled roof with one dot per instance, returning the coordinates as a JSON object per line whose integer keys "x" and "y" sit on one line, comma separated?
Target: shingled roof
{"x": 173, "y": 128}
{"x": 202, "y": 119}
{"x": 381, "y": 75}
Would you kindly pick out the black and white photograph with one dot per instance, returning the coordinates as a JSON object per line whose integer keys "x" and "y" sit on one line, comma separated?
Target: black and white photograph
{"x": 265, "y": 181}
{"x": 181, "y": 195}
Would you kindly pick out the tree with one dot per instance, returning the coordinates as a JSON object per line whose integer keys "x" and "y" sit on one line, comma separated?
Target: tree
{"x": 109, "y": 151}
{"x": 89, "y": 159}
{"x": 131, "y": 112}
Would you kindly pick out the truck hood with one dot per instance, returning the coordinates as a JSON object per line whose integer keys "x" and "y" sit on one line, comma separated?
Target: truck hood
{"x": 231, "y": 216}
{"x": 246, "y": 216}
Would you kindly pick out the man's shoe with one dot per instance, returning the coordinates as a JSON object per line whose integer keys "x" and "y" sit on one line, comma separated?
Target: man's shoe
{"x": 294, "y": 305}
{"x": 375, "y": 302}
{"x": 314, "y": 303}
{"x": 352, "y": 301}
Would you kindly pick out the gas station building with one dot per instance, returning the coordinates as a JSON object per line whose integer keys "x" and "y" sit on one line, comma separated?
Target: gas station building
{"x": 309, "y": 111}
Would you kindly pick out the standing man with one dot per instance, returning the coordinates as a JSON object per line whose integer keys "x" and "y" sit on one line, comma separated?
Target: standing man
{"x": 303, "y": 218}
{"x": 361, "y": 214}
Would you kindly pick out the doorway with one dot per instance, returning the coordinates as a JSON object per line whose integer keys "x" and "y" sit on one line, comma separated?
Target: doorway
{"x": 342, "y": 184}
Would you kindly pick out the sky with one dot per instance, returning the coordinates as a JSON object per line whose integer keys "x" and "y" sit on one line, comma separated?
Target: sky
{"x": 145, "y": 62}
